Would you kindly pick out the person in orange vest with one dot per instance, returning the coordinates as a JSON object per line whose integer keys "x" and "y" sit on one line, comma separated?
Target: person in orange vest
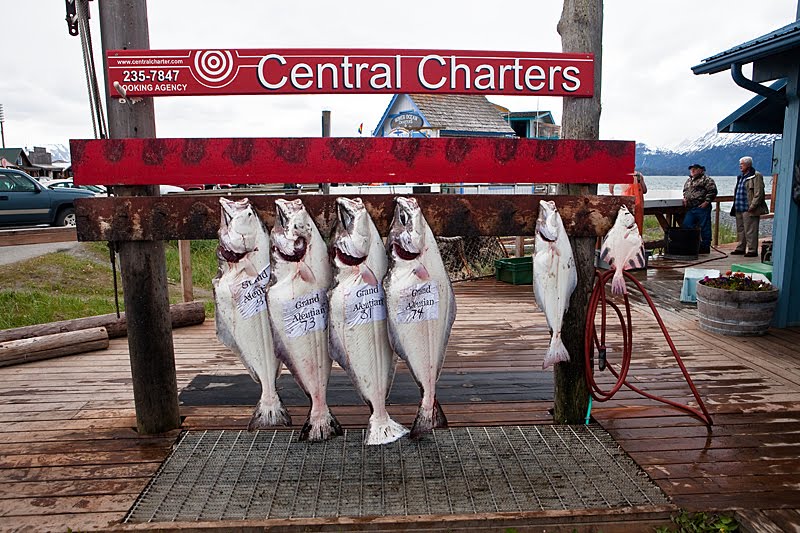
{"x": 637, "y": 189}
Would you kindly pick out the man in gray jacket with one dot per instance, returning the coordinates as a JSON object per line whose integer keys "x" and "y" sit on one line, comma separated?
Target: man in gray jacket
{"x": 748, "y": 206}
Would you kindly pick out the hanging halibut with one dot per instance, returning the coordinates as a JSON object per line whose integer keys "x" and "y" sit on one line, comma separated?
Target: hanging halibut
{"x": 359, "y": 340}
{"x": 241, "y": 305}
{"x": 298, "y": 310}
{"x": 421, "y": 307}
{"x": 623, "y": 248}
{"x": 554, "y": 276}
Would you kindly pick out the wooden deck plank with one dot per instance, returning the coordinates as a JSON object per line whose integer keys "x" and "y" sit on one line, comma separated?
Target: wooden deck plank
{"x": 750, "y": 458}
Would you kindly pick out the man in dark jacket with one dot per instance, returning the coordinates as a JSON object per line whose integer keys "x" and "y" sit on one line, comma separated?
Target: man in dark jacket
{"x": 698, "y": 193}
{"x": 748, "y": 206}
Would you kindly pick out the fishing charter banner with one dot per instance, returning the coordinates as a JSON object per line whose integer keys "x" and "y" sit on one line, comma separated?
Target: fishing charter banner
{"x": 341, "y": 71}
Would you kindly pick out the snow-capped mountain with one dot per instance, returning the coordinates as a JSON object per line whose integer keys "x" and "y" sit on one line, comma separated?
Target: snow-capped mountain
{"x": 718, "y": 152}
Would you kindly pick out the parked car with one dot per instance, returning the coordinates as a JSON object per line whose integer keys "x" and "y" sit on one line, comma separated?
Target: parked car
{"x": 67, "y": 183}
{"x": 25, "y": 201}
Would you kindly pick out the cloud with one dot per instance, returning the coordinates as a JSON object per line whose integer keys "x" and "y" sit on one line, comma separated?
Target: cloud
{"x": 649, "y": 92}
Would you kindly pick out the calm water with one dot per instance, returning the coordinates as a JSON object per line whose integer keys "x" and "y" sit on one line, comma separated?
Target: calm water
{"x": 725, "y": 184}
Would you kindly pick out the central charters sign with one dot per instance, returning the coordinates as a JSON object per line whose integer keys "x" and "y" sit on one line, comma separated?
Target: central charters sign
{"x": 357, "y": 71}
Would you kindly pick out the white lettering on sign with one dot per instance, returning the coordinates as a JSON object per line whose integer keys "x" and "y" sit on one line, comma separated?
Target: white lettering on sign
{"x": 419, "y": 303}
{"x": 364, "y": 304}
{"x": 250, "y": 293}
{"x": 306, "y": 314}
{"x": 327, "y": 71}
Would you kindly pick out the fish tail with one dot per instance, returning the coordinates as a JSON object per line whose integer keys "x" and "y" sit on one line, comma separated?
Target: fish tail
{"x": 426, "y": 421}
{"x": 618, "y": 283}
{"x": 383, "y": 430}
{"x": 268, "y": 415}
{"x": 556, "y": 352}
{"x": 320, "y": 428}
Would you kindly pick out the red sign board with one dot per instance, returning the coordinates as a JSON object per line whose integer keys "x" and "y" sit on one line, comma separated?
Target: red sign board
{"x": 343, "y": 71}
{"x": 350, "y": 160}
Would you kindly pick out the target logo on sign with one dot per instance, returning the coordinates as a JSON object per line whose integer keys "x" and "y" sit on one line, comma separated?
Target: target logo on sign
{"x": 214, "y": 68}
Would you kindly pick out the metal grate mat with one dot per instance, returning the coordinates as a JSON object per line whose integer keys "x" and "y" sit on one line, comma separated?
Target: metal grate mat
{"x": 236, "y": 475}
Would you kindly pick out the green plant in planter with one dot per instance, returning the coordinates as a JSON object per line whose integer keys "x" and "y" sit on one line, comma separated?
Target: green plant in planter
{"x": 736, "y": 281}
{"x": 700, "y": 523}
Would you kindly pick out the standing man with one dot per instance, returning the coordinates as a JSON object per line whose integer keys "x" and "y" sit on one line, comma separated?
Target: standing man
{"x": 748, "y": 206}
{"x": 698, "y": 193}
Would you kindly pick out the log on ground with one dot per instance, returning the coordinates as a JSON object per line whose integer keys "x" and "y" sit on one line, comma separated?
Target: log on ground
{"x": 181, "y": 314}
{"x": 51, "y": 346}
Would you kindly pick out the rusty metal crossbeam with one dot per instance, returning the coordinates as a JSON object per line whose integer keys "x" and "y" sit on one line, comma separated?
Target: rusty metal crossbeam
{"x": 142, "y": 218}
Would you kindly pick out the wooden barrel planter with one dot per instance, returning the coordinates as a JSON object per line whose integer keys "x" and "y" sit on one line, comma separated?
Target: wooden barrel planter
{"x": 731, "y": 312}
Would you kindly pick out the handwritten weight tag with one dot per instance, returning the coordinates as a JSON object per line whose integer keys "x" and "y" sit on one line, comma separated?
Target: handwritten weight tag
{"x": 364, "y": 304}
{"x": 306, "y": 314}
{"x": 419, "y": 303}
{"x": 250, "y": 293}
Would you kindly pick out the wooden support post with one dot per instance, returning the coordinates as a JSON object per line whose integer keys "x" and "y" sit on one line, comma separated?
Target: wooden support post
{"x": 581, "y": 30}
{"x": 123, "y": 25}
{"x": 519, "y": 246}
{"x": 326, "y": 132}
{"x": 716, "y": 225}
{"x": 185, "y": 259}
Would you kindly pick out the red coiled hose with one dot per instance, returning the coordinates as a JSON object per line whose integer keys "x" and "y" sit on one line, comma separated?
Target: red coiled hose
{"x": 598, "y": 299}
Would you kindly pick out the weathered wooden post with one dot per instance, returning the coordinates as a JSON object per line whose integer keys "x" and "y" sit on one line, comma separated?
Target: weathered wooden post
{"x": 581, "y": 30}
{"x": 326, "y": 132}
{"x": 123, "y": 24}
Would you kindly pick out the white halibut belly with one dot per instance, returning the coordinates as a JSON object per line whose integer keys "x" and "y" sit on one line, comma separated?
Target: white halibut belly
{"x": 250, "y": 338}
{"x": 421, "y": 342}
{"x": 306, "y": 355}
{"x": 366, "y": 350}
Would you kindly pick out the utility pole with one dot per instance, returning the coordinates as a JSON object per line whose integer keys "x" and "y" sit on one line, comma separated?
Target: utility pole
{"x": 2, "y": 120}
{"x": 123, "y": 25}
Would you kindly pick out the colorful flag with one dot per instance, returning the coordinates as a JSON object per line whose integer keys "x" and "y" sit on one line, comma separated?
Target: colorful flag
{"x": 360, "y": 128}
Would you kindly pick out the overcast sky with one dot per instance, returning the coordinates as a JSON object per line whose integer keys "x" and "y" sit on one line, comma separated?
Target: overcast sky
{"x": 649, "y": 93}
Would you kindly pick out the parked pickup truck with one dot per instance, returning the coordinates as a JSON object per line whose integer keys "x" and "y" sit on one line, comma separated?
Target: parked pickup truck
{"x": 26, "y": 202}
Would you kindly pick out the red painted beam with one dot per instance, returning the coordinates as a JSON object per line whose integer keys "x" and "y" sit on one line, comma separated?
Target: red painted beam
{"x": 350, "y": 160}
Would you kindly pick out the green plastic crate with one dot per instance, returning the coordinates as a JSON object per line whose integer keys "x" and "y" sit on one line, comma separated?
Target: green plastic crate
{"x": 514, "y": 270}
{"x": 753, "y": 268}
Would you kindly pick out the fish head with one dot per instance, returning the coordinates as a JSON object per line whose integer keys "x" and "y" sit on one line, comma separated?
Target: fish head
{"x": 292, "y": 230}
{"x": 407, "y": 234}
{"x": 625, "y": 218}
{"x": 548, "y": 224}
{"x": 239, "y": 228}
{"x": 352, "y": 238}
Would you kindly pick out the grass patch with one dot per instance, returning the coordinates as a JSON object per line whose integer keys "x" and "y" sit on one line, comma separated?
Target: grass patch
{"x": 80, "y": 283}
{"x": 204, "y": 262}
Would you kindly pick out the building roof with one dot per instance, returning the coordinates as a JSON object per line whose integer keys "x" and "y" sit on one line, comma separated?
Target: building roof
{"x": 758, "y": 115}
{"x": 12, "y": 155}
{"x": 461, "y": 113}
{"x": 778, "y": 41}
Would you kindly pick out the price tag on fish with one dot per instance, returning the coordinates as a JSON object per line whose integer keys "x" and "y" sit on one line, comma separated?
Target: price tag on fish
{"x": 364, "y": 304}
{"x": 419, "y": 303}
{"x": 250, "y": 293}
{"x": 306, "y": 314}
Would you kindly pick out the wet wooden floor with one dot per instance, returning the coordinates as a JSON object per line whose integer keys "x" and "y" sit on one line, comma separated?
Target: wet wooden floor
{"x": 69, "y": 456}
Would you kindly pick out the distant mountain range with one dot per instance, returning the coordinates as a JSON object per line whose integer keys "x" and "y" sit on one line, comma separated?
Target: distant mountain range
{"x": 718, "y": 152}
